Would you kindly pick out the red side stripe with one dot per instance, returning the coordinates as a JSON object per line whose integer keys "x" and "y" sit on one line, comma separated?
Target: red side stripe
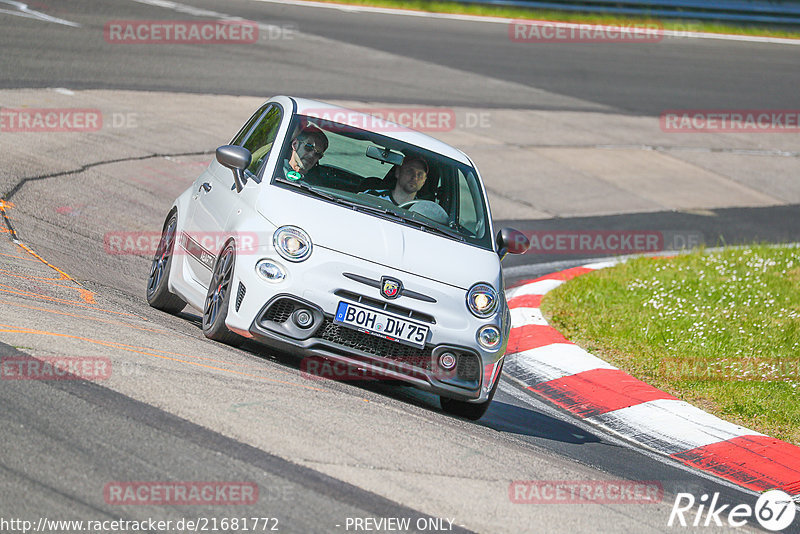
{"x": 532, "y": 336}
{"x": 598, "y": 391}
{"x": 525, "y": 301}
{"x": 755, "y": 462}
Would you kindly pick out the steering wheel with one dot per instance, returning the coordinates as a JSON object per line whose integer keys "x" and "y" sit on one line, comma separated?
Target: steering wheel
{"x": 428, "y": 209}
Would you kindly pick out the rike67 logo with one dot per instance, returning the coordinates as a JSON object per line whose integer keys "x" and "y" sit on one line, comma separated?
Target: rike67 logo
{"x": 774, "y": 510}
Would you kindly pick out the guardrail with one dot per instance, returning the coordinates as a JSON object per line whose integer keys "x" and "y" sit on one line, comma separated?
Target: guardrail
{"x": 747, "y": 11}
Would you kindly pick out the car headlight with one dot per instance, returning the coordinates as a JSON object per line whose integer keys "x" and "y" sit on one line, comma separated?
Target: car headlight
{"x": 292, "y": 243}
{"x": 482, "y": 300}
{"x": 489, "y": 337}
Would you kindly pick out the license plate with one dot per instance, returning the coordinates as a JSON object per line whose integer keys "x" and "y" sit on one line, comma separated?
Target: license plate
{"x": 380, "y": 324}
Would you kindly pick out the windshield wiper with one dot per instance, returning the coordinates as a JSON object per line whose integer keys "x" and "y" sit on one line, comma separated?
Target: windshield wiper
{"x": 322, "y": 194}
{"x": 378, "y": 210}
{"x": 312, "y": 190}
{"x": 327, "y": 196}
{"x": 428, "y": 227}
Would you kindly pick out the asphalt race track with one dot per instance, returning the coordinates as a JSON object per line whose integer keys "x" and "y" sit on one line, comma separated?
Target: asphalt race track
{"x": 567, "y": 137}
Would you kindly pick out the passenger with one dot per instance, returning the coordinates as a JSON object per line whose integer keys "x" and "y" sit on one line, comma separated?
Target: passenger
{"x": 307, "y": 149}
{"x": 411, "y": 176}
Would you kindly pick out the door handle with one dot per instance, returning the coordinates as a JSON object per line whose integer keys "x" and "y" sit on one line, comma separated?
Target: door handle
{"x": 205, "y": 187}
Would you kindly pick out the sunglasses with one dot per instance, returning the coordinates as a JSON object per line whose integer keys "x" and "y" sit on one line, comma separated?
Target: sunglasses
{"x": 311, "y": 148}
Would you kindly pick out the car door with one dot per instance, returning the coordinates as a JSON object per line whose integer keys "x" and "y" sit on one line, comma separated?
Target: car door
{"x": 215, "y": 195}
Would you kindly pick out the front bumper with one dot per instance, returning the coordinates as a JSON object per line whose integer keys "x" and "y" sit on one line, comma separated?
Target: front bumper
{"x": 367, "y": 355}
{"x": 330, "y": 277}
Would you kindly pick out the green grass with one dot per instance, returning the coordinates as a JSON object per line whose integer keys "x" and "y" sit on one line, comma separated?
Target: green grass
{"x": 566, "y": 16}
{"x": 720, "y": 330}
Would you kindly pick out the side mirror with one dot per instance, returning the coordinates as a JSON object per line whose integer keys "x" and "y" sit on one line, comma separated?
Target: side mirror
{"x": 237, "y": 159}
{"x": 511, "y": 241}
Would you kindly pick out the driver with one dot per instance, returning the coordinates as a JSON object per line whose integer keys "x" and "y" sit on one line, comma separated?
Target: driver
{"x": 411, "y": 176}
{"x": 307, "y": 149}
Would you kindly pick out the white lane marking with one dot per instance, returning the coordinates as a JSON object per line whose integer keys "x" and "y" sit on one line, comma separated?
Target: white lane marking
{"x": 669, "y": 426}
{"x": 553, "y": 361}
{"x": 186, "y": 9}
{"x": 603, "y": 264}
{"x": 24, "y": 11}
{"x": 200, "y": 12}
{"x": 526, "y": 316}
{"x": 543, "y": 407}
{"x": 534, "y": 288}
{"x": 547, "y": 23}
{"x": 63, "y": 91}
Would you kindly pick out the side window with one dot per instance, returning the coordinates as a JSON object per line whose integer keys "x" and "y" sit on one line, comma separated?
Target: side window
{"x": 258, "y": 136}
{"x": 470, "y": 204}
{"x": 244, "y": 133}
{"x": 466, "y": 207}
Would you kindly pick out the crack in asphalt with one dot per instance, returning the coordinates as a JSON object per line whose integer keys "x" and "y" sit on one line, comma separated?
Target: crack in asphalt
{"x": 5, "y": 198}
{"x": 14, "y": 190}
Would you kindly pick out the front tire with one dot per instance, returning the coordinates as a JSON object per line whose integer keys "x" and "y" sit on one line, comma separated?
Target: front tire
{"x": 158, "y": 295}
{"x": 218, "y": 298}
{"x": 470, "y": 410}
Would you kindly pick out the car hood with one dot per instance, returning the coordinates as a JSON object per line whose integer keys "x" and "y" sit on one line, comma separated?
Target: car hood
{"x": 388, "y": 243}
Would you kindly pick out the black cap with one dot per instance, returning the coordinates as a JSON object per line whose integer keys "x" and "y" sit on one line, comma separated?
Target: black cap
{"x": 411, "y": 158}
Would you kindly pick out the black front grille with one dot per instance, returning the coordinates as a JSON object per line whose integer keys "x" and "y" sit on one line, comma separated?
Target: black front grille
{"x": 386, "y": 306}
{"x": 240, "y": 295}
{"x": 375, "y": 345}
{"x": 468, "y": 367}
{"x": 280, "y": 311}
{"x": 468, "y": 364}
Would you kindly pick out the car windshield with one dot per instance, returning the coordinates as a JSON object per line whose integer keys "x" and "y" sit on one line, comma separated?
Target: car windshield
{"x": 385, "y": 177}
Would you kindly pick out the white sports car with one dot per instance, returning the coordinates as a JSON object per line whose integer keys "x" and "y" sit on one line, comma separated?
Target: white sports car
{"x": 333, "y": 234}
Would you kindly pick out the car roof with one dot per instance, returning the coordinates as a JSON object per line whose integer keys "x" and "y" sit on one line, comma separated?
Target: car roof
{"x": 358, "y": 119}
